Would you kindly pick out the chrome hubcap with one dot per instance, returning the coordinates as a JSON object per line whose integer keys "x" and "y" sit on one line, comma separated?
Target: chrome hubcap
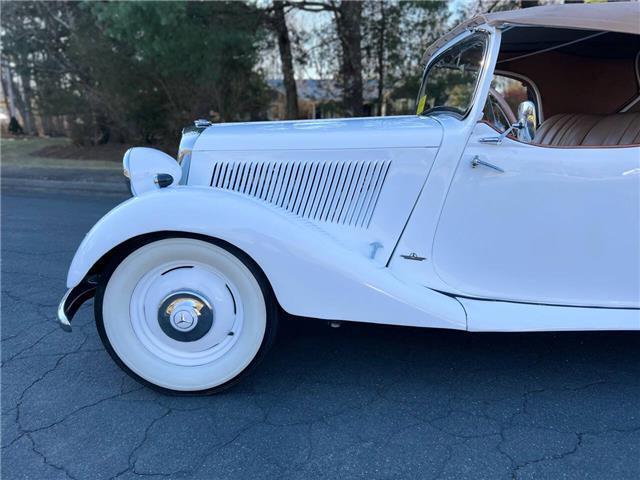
{"x": 184, "y": 320}
{"x": 183, "y": 313}
{"x": 185, "y": 316}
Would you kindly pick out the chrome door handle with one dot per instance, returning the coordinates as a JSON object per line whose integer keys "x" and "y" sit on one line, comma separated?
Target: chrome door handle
{"x": 477, "y": 161}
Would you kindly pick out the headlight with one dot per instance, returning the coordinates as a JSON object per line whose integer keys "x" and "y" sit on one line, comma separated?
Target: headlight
{"x": 125, "y": 163}
{"x": 148, "y": 169}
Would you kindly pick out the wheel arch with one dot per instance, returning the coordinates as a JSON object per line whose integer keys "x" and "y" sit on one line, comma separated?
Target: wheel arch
{"x": 121, "y": 250}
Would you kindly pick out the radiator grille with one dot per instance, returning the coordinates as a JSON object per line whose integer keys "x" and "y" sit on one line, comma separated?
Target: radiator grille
{"x": 337, "y": 192}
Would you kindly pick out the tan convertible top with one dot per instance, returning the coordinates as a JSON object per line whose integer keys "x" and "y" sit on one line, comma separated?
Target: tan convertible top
{"x": 623, "y": 17}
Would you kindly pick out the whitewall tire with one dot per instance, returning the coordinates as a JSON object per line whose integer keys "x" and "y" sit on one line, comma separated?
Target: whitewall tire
{"x": 185, "y": 314}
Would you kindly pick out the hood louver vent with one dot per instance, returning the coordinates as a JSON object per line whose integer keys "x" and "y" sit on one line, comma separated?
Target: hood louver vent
{"x": 343, "y": 193}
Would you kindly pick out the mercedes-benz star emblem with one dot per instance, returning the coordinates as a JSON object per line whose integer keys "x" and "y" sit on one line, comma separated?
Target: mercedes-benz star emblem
{"x": 183, "y": 320}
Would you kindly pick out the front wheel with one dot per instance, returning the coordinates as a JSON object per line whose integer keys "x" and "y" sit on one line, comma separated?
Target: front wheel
{"x": 185, "y": 315}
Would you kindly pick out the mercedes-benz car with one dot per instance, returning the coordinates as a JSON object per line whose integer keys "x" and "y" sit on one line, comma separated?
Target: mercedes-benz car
{"x": 509, "y": 202}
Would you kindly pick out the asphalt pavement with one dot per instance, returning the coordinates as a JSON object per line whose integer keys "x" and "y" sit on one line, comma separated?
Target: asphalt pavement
{"x": 362, "y": 401}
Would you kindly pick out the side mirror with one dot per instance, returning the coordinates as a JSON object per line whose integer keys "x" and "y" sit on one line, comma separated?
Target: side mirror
{"x": 527, "y": 118}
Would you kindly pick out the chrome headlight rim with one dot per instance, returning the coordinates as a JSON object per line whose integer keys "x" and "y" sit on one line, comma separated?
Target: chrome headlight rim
{"x": 184, "y": 160}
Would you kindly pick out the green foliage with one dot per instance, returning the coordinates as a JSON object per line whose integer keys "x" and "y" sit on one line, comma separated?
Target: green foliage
{"x": 398, "y": 32}
{"x": 138, "y": 70}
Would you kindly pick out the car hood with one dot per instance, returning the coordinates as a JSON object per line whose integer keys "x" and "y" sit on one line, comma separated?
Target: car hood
{"x": 371, "y": 132}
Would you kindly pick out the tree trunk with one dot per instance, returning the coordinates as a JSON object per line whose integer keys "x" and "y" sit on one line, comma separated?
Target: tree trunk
{"x": 348, "y": 20}
{"x": 286, "y": 59}
{"x": 381, "y": 45}
{"x": 17, "y": 96}
{"x": 29, "y": 123}
{"x": 7, "y": 90}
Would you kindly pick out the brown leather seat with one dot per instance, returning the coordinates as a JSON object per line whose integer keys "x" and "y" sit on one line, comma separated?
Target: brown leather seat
{"x": 573, "y": 129}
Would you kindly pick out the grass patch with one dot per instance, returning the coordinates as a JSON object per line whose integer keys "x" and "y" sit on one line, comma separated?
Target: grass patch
{"x": 58, "y": 153}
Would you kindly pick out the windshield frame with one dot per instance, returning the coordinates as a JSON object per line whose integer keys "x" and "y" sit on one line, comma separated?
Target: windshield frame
{"x": 479, "y": 79}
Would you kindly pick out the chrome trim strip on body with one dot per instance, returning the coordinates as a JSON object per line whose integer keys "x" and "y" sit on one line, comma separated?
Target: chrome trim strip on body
{"x": 458, "y": 296}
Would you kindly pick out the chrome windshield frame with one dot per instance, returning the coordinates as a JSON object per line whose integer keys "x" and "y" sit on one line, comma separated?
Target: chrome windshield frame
{"x": 489, "y": 57}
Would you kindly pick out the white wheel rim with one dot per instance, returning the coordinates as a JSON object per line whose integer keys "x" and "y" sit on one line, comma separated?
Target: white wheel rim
{"x": 176, "y": 278}
{"x": 183, "y": 272}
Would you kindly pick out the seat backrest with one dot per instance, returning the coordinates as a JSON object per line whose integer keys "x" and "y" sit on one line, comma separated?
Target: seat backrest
{"x": 575, "y": 129}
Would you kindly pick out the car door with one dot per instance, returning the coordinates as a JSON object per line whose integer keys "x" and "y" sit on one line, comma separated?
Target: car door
{"x": 535, "y": 224}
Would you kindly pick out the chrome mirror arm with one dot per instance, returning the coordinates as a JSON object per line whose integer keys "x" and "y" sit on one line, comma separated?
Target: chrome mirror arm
{"x": 498, "y": 140}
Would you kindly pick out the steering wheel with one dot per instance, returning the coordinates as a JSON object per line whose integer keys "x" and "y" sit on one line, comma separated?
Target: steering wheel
{"x": 444, "y": 108}
{"x": 503, "y": 105}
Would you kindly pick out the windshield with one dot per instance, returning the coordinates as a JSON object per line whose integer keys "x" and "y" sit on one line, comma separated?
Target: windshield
{"x": 450, "y": 82}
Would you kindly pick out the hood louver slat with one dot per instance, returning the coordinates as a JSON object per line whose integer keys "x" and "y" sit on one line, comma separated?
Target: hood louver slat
{"x": 344, "y": 193}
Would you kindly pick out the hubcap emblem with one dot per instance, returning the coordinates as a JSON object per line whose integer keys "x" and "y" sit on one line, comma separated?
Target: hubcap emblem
{"x": 185, "y": 316}
{"x": 184, "y": 320}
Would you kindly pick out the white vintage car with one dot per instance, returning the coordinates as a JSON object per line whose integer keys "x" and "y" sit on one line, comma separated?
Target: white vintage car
{"x": 510, "y": 202}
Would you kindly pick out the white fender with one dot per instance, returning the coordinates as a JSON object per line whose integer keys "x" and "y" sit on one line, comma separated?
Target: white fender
{"x": 311, "y": 274}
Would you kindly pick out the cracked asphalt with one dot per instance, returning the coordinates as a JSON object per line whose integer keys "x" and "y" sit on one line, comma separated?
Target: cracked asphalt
{"x": 362, "y": 401}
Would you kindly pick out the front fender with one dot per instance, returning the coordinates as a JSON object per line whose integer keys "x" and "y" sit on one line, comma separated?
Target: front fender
{"x": 310, "y": 272}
